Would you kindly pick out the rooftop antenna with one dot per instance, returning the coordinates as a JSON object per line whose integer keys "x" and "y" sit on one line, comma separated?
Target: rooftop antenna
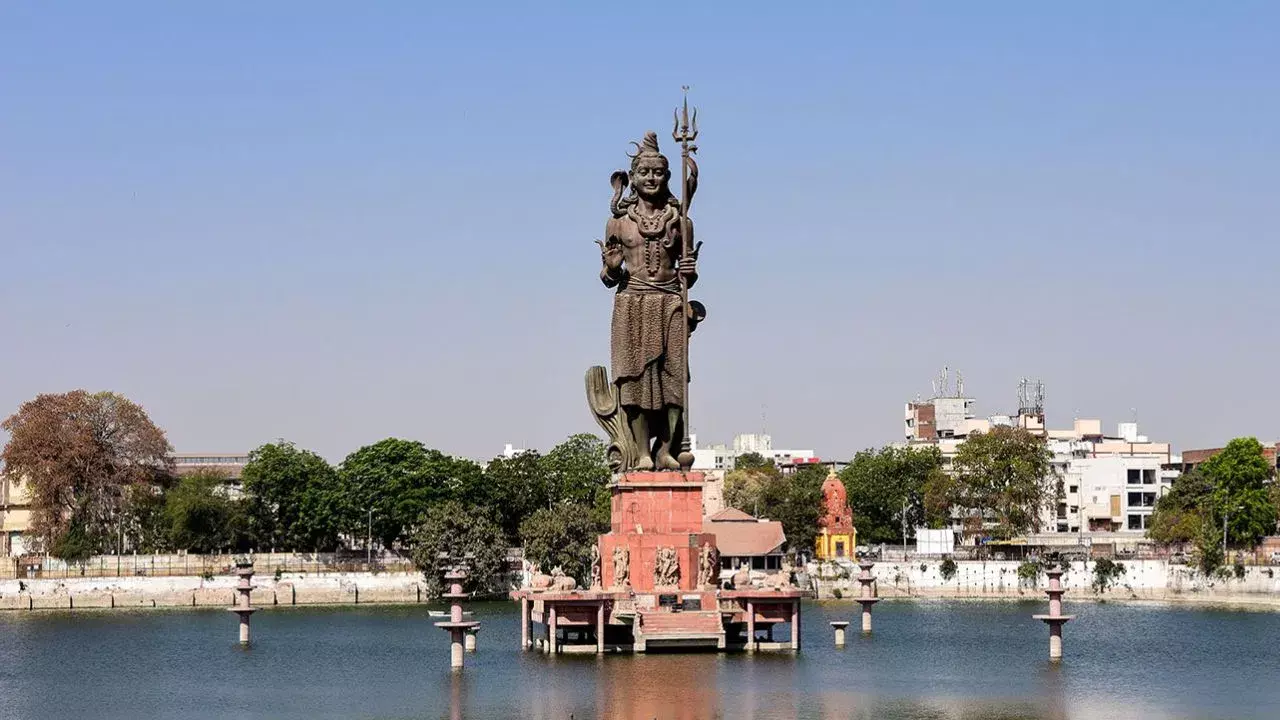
{"x": 959, "y": 385}
{"x": 1030, "y": 397}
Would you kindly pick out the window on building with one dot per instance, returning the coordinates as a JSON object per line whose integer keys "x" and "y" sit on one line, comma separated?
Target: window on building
{"x": 1149, "y": 476}
{"x": 1075, "y": 509}
{"x": 773, "y": 562}
{"x": 839, "y": 548}
{"x": 1138, "y": 522}
{"x": 1075, "y": 528}
{"x": 757, "y": 563}
{"x": 1073, "y": 489}
{"x": 1135, "y": 499}
{"x": 1135, "y": 476}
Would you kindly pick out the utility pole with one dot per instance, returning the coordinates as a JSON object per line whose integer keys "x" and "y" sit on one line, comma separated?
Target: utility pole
{"x": 368, "y": 542}
{"x": 904, "y": 529}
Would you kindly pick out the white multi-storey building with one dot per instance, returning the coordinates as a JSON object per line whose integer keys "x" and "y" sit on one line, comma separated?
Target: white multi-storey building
{"x": 1104, "y": 483}
{"x": 721, "y": 457}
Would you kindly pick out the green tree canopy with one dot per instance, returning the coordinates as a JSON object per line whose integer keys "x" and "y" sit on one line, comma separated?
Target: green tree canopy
{"x": 1242, "y": 491}
{"x": 142, "y": 523}
{"x": 562, "y": 536}
{"x": 199, "y": 517}
{"x": 744, "y": 487}
{"x": 451, "y": 533}
{"x": 295, "y": 498}
{"x": 517, "y": 487}
{"x": 1237, "y": 486}
{"x": 881, "y": 482}
{"x": 752, "y": 461}
{"x": 577, "y": 472}
{"x": 794, "y": 500}
{"x": 1001, "y": 479}
{"x": 1178, "y": 514}
{"x": 399, "y": 480}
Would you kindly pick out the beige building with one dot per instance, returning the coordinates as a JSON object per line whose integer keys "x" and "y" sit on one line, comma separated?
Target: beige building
{"x": 15, "y": 515}
{"x": 15, "y": 503}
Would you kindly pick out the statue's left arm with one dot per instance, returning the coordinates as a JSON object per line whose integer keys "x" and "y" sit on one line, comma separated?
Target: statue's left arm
{"x": 688, "y": 264}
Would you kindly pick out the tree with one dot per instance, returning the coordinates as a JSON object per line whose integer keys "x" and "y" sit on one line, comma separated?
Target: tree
{"x": 1236, "y": 486}
{"x": 142, "y": 526}
{"x": 1179, "y": 513}
{"x": 795, "y": 501}
{"x": 452, "y": 533}
{"x": 752, "y": 461}
{"x": 517, "y": 488}
{"x": 1001, "y": 478}
{"x": 399, "y": 480}
{"x": 744, "y": 487}
{"x": 881, "y": 482}
{"x": 562, "y": 536}
{"x": 198, "y": 515}
{"x": 79, "y": 453}
{"x": 577, "y": 471}
{"x": 295, "y": 499}
{"x": 1242, "y": 482}
{"x": 937, "y": 497}
{"x": 574, "y": 473}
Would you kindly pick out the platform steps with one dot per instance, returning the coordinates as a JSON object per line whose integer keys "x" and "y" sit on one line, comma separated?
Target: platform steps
{"x": 660, "y": 628}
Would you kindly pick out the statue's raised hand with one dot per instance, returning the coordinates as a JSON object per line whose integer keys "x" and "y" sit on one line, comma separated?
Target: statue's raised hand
{"x": 611, "y": 253}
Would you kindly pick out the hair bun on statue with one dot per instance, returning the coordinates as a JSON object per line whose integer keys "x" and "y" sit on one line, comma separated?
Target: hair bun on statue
{"x": 648, "y": 147}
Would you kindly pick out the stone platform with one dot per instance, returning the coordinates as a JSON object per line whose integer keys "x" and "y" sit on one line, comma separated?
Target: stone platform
{"x": 603, "y": 621}
{"x": 647, "y": 606}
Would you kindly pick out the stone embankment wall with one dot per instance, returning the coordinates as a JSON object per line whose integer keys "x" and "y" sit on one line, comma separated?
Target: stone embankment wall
{"x": 195, "y": 591}
{"x": 1143, "y": 580}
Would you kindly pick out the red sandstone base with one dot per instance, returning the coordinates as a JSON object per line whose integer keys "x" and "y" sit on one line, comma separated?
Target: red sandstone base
{"x": 651, "y": 511}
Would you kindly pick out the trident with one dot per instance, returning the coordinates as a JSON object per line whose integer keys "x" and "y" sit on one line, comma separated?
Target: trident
{"x": 685, "y": 131}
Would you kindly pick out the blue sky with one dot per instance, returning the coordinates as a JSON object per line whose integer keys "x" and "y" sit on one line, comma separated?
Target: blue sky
{"x": 334, "y": 222}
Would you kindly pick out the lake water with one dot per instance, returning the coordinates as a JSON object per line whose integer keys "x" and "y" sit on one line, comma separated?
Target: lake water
{"x": 926, "y": 660}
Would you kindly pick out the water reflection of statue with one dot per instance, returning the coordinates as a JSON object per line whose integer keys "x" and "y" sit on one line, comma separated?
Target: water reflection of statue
{"x": 621, "y": 567}
{"x": 595, "y": 567}
{"x": 666, "y": 570}
{"x": 709, "y": 565}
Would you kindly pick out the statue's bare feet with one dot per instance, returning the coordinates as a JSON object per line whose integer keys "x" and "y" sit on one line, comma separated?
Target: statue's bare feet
{"x": 645, "y": 463}
{"x": 666, "y": 462}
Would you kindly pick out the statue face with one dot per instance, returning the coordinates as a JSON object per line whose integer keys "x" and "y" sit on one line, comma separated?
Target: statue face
{"x": 650, "y": 175}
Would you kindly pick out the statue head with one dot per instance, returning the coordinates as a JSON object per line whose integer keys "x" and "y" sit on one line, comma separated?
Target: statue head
{"x": 650, "y": 171}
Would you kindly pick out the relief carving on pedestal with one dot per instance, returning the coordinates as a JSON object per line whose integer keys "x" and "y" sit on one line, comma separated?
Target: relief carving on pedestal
{"x": 621, "y": 567}
{"x": 666, "y": 569}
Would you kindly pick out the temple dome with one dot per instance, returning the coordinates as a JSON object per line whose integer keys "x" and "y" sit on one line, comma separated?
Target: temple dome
{"x": 836, "y": 515}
